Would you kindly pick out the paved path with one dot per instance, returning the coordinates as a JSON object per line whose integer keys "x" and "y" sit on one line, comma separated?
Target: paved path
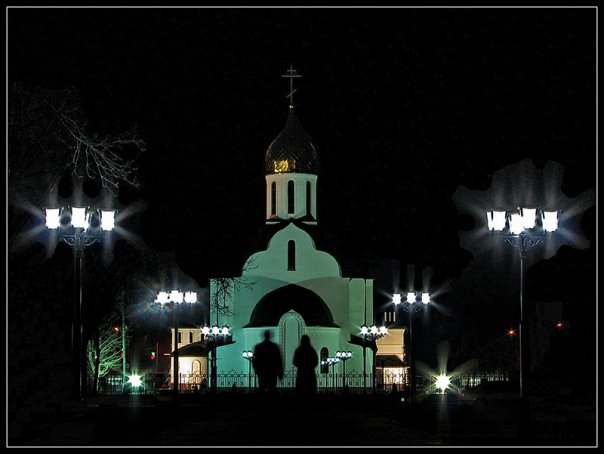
{"x": 254, "y": 421}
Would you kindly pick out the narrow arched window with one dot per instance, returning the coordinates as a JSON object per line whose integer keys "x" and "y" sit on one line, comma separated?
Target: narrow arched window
{"x": 273, "y": 198}
{"x": 291, "y": 255}
{"x": 324, "y": 356}
{"x": 308, "y": 198}
{"x": 290, "y": 197}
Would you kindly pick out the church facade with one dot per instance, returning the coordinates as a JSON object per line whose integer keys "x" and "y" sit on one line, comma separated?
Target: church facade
{"x": 292, "y": 288}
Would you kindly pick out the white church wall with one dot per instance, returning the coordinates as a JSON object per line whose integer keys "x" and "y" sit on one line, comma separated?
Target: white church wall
{"x": 350, "y": 301}
{"x": 300, "y": 183}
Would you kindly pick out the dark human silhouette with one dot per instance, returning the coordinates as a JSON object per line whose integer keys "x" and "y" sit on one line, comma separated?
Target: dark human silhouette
{"x": 267, "y": 363}
{"x": 306, "y": 360}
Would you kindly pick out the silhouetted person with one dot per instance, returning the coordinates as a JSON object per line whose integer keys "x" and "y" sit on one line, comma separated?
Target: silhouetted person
{"x": 267, "y": 363}
{"x": 306, "y": 360}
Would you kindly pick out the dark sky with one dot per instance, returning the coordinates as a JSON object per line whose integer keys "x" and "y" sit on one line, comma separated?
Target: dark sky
{"x": 406, "y": 105}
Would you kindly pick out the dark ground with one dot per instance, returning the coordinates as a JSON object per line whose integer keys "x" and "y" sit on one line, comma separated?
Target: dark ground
{"x": 327, "y": 420}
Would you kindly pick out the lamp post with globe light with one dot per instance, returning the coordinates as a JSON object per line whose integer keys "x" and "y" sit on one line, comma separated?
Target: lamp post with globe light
{"x": 411, "y": 306}
{"x": 215, "y": 337}
{"x": 522, "y": 228}
{"x": 343, "y": 356}
{"x": 248, "y": 355}
{"x": 174, "y": 299}
{"x": 371, "y": 334}
{"x": 79, "y": 227}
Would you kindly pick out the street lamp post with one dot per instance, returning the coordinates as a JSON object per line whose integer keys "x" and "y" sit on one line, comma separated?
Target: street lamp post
{"x": 523, "y": 228}
{"x": 410, "y": 308}
{"x": 249, "y": 356}
{"x": 343, "y": 356}
{"x": 215, "y": 337}
{"x": 174, "y": 299}
{"x": 331, "y": 361}
{"x": 371, "y": 334}
{"x": 79, "y": 227}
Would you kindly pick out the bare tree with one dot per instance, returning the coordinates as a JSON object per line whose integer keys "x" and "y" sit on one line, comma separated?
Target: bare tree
{"x": 48, "y": 136}
{"x": 105, "y": 348}
{"x": 225, "y": 287}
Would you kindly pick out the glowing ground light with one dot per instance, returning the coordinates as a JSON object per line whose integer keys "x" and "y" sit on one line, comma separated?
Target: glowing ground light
{"x": 135, "y": 380}
{"x": 442, "y": 382}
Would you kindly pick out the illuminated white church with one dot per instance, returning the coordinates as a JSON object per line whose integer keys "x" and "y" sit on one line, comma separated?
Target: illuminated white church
{"x": 292, "y": 288}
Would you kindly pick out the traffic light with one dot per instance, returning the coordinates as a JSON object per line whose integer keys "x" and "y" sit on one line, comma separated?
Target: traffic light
{"x": 152, "y": 356}
{"x": 116, "y": 328}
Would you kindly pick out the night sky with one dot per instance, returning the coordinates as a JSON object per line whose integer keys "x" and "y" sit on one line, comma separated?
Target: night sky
{"x": 406, "y": 106}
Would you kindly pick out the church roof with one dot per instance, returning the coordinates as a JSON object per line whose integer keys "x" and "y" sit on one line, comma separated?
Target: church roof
{"x": 192, "y": 350}
{"x": 307, "y": 303}
{"x": 292, "y": 151}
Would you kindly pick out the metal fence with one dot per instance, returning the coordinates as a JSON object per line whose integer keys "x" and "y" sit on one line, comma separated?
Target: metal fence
{"x": 333, "y": 383}
{"x": 336, "y": 383}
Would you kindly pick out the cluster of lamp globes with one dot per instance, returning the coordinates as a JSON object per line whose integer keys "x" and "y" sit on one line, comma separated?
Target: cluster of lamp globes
{"x": 412, "y": 297}
{"x": 80, "y": 218}
{"x": 340, "y": 356}
{"x": 178, "y": 297}
{"x": 522, "y": 219}
{"x": 373, "y": 331}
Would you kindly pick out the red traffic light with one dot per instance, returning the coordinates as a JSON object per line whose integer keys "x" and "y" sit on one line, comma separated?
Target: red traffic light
{"x": 152, "y": 356}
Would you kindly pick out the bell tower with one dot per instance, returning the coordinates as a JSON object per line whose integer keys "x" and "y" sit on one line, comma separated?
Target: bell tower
{"x": 291, "y": 167}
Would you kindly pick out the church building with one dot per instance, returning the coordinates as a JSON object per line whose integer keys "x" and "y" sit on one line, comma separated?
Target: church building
{"x": 292, "y": 288}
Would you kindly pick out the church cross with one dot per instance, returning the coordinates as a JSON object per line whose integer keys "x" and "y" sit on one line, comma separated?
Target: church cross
{"x": 291, "y": 74}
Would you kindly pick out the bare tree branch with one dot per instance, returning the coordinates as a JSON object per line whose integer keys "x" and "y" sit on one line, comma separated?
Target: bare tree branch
{"x": 225, "y": 287}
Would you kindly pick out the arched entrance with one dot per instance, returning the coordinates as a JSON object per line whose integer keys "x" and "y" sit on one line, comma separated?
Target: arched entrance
{"x": 291, "y": 329}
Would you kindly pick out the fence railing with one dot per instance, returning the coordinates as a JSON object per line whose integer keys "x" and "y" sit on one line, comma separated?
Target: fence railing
{"x": 337, "y": 383}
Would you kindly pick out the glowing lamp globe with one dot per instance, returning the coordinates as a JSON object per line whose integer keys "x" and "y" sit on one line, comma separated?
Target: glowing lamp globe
{"x": 550, "y": 221}
{"x": 107, "y": 219}
{"x": 135, "y": 380}
{"x": 53, "y": 218}
{"x": 442, "y": 382}
{"x": 516, "y": 224}
{"x": 496, "y": 220}
{"x": 78, "y": 217}
{"x": 528, "y": 217}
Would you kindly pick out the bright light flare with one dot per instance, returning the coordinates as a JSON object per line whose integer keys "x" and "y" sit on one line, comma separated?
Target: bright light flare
{"x": 176, "y": 296}
{"x": 162, "y": 298}
{"x": 78, "y": 218}
{"x": 411, "y": 297}
{"x": 496, "y": 220}
{"x": 135, "y": 380}
{"x": 396, "y": 299}
{"x": 425, "y": 297}
{"x": 53, "y": 218}
{"x": 107, "y": 219}
{"x": 550, "y": 221}
{"x": 528, "y": 217}
{"x": 442, "y": 382}
{"x": 516, "y": 224}
{"x": 190, "y": 297}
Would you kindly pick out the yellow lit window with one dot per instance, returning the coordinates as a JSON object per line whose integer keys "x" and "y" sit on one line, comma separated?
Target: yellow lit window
{"x": 281, "y": 166}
